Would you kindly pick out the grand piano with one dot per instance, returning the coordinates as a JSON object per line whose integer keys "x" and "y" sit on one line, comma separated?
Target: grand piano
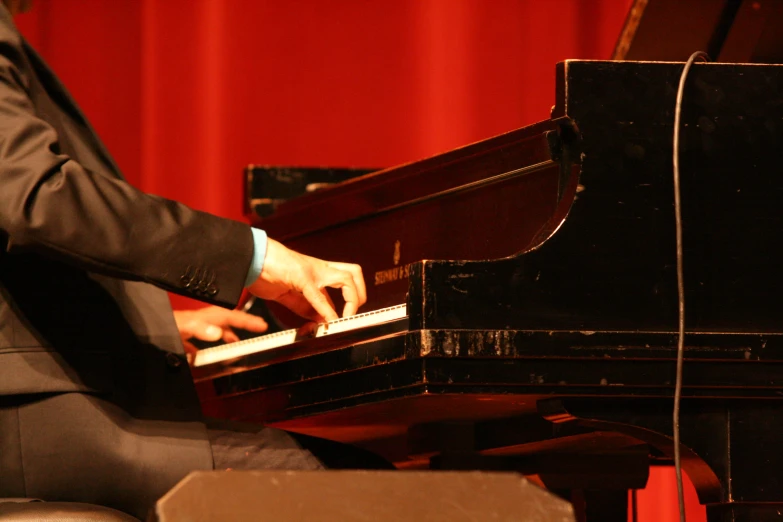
{"x": 522, "y": 296}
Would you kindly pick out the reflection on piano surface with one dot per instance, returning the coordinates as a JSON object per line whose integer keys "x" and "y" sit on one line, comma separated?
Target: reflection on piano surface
{"x": 537, "y": 270}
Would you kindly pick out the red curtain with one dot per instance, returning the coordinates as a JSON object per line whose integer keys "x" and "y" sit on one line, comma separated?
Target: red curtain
{"x": 185, "y": 93}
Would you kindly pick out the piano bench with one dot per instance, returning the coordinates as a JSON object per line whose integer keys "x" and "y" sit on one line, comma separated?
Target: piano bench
{"x": 33, "y": 510}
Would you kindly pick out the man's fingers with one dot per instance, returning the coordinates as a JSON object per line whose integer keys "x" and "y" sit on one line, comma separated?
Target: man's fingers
{"x": 190, "y": 351}
{"x": 319, "y": 302}
{"x": 297, "y": 303}
{"x": 350, "y": 309}
{"x": 201, "y": 330}
{"x": 351, "y": 300}
{"x": 246, "y": 321}
{"x": 343, "y": 280}
{"x": 358, "y": 279}
{"x": 229, "y": 336}
{"x": 236, "y": 318}
{"x": 328, "y": 299}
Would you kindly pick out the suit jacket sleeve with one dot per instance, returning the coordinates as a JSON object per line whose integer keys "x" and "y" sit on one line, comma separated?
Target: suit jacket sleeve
{"x": 52, "y": 204}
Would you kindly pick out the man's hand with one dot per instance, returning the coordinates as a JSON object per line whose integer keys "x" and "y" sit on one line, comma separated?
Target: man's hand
{"x": 214, "y": 323}
{"x": 299, "y": 283}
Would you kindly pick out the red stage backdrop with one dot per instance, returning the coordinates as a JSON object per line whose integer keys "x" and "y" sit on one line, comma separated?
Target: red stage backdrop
{"x": 185, "y": 93}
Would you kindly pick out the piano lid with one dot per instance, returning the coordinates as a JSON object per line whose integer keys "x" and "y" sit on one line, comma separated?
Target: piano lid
{"x": 738, "y": 31}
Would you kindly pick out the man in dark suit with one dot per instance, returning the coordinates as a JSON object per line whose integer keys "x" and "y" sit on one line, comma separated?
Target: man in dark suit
{"x": 97, "y": 402}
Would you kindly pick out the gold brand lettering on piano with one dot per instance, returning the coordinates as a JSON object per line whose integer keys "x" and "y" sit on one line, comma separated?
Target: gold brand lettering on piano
{"x": 392, "y": 274}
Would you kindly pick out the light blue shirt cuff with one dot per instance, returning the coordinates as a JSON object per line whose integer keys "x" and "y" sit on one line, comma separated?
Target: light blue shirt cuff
{"x": 259, "y": 254}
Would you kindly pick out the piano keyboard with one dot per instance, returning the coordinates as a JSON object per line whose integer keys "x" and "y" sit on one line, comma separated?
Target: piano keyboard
{"x": 228, "y": 351}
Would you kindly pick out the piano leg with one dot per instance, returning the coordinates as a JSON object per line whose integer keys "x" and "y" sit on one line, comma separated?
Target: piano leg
{"x": 731, "y": 449}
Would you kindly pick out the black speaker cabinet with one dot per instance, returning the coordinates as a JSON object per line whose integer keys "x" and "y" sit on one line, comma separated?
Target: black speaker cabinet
{"x": 352, "y": 496}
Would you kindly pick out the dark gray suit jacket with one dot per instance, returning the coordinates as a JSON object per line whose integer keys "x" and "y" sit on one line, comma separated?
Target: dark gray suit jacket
{"x": 81, "y": 255}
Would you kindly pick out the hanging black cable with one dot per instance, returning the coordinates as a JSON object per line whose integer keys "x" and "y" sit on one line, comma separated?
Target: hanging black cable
{"x": 680, "y": 281}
